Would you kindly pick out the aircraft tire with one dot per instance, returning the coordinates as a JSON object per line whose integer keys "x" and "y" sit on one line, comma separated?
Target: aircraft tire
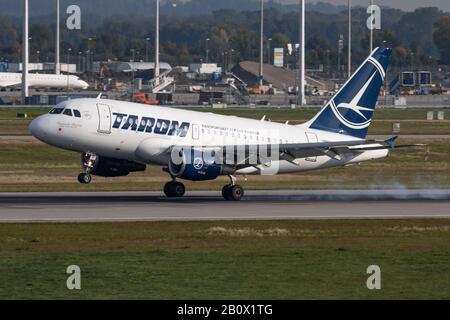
{"x": 234, "y": 193}
{"x": 226, "y": 192}
{"x": 174, "y": 189}
{"x": 84, "y": 178}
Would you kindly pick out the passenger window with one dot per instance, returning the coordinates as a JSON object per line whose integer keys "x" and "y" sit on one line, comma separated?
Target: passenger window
{"x": 77, "y": 113}
{"x": 68, "y": 112}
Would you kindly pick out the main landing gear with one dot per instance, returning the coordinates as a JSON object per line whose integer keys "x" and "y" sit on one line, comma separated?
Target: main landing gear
{"x": 232, "y": 191}
{"x": 87, "y": 163}
{"x": 174, "y": 189}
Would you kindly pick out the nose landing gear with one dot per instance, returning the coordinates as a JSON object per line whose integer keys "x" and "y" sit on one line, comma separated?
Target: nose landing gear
{"x": 88, "y": 161}
{"x": 84, "y": 178}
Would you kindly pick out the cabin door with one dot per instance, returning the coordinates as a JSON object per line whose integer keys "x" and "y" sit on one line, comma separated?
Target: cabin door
{"x": 104, "y": 118}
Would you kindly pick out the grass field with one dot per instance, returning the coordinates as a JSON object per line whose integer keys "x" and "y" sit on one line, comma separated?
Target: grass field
{"x": 227, "y": 260}
{"x": 413, "y": 120}
{"x": 33, "y": 166}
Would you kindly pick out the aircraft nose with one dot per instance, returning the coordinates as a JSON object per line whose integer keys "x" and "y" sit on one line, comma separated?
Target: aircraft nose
{"x": 84, "y": 85}
{"x": 38, "y": 128}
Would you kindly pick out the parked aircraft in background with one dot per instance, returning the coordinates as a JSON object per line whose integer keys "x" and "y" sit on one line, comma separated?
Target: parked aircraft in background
{"x": 37, "y": 81}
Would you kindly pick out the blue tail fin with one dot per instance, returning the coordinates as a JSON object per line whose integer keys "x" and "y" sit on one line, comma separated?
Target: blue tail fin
{"x": 350, "y": 111}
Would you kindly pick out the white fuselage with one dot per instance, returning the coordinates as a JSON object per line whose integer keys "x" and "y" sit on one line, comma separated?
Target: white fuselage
{"x": 35, "y": 80}
{"x": 100, "y": 130}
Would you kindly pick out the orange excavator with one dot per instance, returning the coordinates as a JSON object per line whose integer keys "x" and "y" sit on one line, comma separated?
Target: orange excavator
{"x": 143, "y": 99}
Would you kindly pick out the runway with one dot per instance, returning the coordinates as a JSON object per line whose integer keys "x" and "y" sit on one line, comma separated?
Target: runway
{"x": 197, "y": 206}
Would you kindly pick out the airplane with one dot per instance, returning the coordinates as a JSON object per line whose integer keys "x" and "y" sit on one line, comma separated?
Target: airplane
{"x": 35, "y": 80}
{"x": 116, "y": 138}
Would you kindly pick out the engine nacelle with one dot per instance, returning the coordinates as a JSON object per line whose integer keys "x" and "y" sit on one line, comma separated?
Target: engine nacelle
{"x": 109, "y": 167}
{"x": 196, "y": 165}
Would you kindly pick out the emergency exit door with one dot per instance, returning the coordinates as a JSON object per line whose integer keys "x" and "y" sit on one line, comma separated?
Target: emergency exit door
{"x": 195, "y": 132}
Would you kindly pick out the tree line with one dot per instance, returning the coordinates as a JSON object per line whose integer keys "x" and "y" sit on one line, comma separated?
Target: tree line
{"x": 421, "y": 37}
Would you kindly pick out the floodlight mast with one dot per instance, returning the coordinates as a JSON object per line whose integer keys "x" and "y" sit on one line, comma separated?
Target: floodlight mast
{"x": 25, "y": 55}
{"x": 301, "y": 89}
{"x": 157, "y": 68}
{"x": 57, "y": 45}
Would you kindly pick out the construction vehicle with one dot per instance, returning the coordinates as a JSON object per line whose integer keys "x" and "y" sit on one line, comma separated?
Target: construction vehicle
{"x": 437, "y": 90}
{"x": 144, "y": 99}
{"x": 259, "y": 90}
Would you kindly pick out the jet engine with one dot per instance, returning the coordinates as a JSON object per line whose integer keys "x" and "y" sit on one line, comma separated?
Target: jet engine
{"x": 196, "y": 165}
{"x": 109, "y": 167}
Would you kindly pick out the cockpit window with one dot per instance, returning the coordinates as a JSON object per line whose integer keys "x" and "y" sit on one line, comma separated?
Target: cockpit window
{"x": 68, "y": 112}
{"x": 56, "y": 111}
{"x": 77, "y": 113}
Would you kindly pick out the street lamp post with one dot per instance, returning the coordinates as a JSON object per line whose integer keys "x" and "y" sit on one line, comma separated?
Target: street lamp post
{"x": 147, "y": 40}
{"x": 207, "y": 50}
{"x": 90, "y": 51}
{"x": 371, "y": 28}
{"x": 25, "y": 57}
{"x": 57, "y": 50}
{"x": 67, "y": 68}
{"x": 157, "y": 69}
{"x": 261, "y": 48}
{"x": 80, "y": 61}
{"x": 88, "y": 54}
{"x": 301, "y": 91}
{"x": 349, "y": 68}
{"x": 269, "y": 51}
{"x": 132, "y": 70}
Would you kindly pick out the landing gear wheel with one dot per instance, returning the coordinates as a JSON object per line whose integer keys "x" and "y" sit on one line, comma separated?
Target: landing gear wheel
{"x": 236, "y": 193}
{"x": 226, "y": 191}
{"x": 84, "y": 178}
{"x": 233, "y": 193}
{"x": 174, "y": 189}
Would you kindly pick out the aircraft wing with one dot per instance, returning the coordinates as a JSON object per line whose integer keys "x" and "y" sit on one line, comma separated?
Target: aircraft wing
{"x": 291, "y": 152}
{"x": 337, "y": 149}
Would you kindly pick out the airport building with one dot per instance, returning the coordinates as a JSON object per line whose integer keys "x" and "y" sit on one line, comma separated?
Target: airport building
{"x": 41, "y": 67}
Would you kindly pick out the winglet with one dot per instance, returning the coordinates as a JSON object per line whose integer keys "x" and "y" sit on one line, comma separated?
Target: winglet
{"x": 99, "y": 96}
{"x": 391, "y": 142}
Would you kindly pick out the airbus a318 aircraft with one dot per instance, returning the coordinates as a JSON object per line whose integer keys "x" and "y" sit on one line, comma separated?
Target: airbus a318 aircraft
{"x": 116, "y": 138}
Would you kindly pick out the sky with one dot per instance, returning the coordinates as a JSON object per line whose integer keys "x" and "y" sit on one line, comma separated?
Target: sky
{"x": 407, "y": 5}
